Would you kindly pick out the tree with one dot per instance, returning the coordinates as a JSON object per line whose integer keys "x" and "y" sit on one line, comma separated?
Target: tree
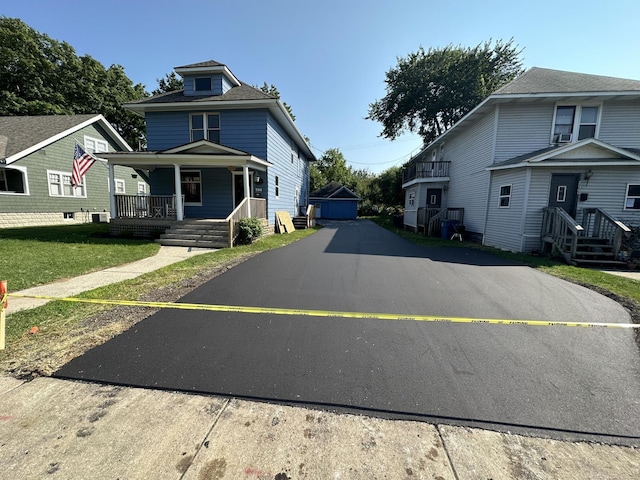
{"x": 427, "y": 92}
{"x": 42, "y": 76}
{"x": 273, "y": 91}
{"x": 170, "y": 83}
{"x": 331, "y": 167}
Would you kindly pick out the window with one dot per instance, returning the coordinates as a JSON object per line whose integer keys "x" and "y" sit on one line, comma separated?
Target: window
{"x": 120, "y": 185}
{"x": 412, "y": 199}
{"x": 203, "y": 84}
{"x": 13, "y": 180}
{"x": 191, "y": 186}
{"x": 60, "y": 185}
{"x": 561, "y": 194}
{"x": 142, "y": 188}
{"x": 575, "y": 122}
{"x": 632, "y": 201}
{"x": 277, "y": 186}
{"x": 205, "y": 126}
{"x": 505, "y": 196}
{"x": 92, "y": 145}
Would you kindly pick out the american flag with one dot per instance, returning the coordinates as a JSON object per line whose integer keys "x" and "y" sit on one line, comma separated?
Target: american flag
{"x": 82, "y": 162}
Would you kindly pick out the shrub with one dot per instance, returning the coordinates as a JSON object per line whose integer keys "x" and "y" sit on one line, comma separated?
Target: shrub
{"x": 248, "y": 230}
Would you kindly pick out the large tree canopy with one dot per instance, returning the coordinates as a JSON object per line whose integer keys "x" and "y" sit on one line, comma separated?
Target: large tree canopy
{"x": 427, "y": 92}
{"x": 42, "y": 76}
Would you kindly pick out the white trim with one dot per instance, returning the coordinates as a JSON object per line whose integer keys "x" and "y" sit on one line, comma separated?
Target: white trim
{"x": 272, "y": 104}
{"x": 98, "y": 118}
{"x": 501, "y": 196}
{"x": 577, "y": 119}
{"x": 83, "y": 185}
{"x": 626, "y": 198}
{"x": 208, "y": 69}
{"x": 25, "y": 181}
{"x": 205, "y": 125}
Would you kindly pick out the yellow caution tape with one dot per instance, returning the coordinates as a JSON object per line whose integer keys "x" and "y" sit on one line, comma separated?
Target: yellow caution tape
{"x": 329, "y": 313}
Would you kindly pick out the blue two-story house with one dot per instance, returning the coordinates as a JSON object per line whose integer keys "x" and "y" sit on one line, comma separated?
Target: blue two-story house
{"x": 229, "y": 149}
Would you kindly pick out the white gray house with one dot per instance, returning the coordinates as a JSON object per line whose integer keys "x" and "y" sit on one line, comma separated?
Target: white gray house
{"x": 550, "y": 160}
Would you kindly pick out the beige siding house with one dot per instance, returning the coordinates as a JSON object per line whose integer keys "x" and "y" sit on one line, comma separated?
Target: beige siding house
{"x": 549, "y": 161}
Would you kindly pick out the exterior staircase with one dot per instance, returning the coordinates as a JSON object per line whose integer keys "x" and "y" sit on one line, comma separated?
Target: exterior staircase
{"x": 202, "y": 233}
{"x": 592, "y": 251}
{"x": 300, "y": 222}
{"x": 595, "y": 242}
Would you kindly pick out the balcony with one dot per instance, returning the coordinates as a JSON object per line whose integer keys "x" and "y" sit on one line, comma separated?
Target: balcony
{"x": 421, "y": 170}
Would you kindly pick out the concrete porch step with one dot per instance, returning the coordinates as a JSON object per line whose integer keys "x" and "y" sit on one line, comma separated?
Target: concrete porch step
{"x": 181, "y": 242}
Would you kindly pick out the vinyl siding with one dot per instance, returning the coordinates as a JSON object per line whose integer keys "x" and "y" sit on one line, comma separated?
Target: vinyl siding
{"x": 505, "y": 224}
{"x": 470, "y": 152}
{"x": 290, "y": 174}
{"x": 219, "y": 85}
{"x": 522, "y": 129}
{"x": 59, "y": 157}
{"x": 620, "y": 124}
{"x": 245, "y": 130}
{"x": 167, "y": 130}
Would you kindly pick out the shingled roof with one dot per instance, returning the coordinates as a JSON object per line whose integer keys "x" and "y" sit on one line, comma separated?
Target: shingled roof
{"x": 23, "y": 132}
{"x": 544, "y": 80}
{"x": 243, "y": 92}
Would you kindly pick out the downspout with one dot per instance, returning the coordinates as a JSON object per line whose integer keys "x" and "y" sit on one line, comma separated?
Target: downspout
{"x": 112, "y": 191}
{"x": 178, "y": 190}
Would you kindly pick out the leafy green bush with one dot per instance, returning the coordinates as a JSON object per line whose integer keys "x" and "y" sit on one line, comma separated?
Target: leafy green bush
{"x": 248, "y": 230}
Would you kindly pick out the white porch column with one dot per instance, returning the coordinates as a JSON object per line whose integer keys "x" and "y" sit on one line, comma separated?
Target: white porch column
{"x": 112, "y": 191}
{"x": 247, "y": 193}
{"x": 178, "y": 190}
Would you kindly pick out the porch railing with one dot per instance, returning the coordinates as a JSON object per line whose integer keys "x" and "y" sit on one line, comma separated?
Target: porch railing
{"x": 258, "y": 209}
{"x": 432, "y": 217}
{"x": 562, "y": 231}
{"x": 425, "y": 170}
{"x": 598, "y": 223}
{"x": 146, "y": 206}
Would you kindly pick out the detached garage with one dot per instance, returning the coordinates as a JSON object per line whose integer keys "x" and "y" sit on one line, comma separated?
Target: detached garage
{"x": 335, "y": 202}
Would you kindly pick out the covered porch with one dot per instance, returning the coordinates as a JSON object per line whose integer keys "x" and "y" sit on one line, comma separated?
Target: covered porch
{"x": 201, "y": 181}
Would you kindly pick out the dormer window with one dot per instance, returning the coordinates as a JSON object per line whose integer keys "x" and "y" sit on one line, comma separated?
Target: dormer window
{"x": 205, "y": 126}
{"x": 203, "y": 84}
{"x": 575, "y": 122}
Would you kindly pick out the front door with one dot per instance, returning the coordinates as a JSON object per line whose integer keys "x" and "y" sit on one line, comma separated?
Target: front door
{"x": 434, "y": 197}
{"x": 238, "y": 188}
{"x": 564, "y": 192}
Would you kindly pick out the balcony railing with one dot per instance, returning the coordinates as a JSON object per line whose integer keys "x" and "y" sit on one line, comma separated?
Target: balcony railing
{"x": 425, "y": 170}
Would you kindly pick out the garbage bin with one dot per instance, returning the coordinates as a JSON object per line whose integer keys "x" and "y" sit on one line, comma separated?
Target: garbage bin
{"x": 446, "y": 229}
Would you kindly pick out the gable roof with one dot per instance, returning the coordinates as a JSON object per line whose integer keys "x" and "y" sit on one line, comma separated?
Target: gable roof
{"x": 334, "y": 190}
{"x": 544, "y": 83}
{"x": 22, "y": 135}
{"x": 585, "y": 152}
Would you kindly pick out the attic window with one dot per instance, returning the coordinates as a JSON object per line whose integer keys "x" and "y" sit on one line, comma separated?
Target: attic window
{"x": 203, "y": 84}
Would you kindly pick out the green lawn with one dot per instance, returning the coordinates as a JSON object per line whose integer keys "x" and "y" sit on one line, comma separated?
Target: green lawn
{"x": 33, "y": 256}
{"x": 57, "y": 318}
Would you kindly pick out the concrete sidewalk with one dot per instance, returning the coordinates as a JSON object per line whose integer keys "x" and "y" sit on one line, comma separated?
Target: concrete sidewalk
{"x": 83, "y": 283}
{"x": 51, "y": 428}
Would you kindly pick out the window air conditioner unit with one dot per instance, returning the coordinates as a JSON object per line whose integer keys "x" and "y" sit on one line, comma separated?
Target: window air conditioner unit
{"x": 564, "y": 138}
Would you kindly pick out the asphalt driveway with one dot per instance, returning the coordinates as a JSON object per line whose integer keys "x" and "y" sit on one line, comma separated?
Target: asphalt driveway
{"x": 575, "y": 383}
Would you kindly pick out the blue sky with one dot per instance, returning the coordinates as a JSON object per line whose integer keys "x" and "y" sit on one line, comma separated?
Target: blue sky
{"x": 328, "y": 58}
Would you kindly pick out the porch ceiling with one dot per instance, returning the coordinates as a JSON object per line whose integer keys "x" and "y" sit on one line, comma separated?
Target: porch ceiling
{"x": 147, "y": 160}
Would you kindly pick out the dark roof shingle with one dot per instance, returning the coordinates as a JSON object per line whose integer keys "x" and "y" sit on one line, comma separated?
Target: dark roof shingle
{"x": 26, "y": 131}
